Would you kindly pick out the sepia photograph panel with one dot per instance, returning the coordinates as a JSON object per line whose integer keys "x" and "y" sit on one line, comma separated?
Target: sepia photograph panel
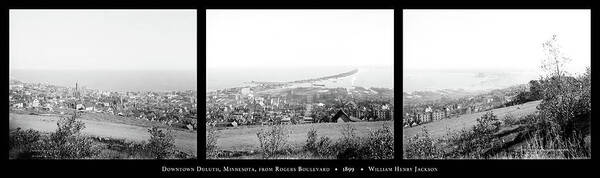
{"x": 300, "y": 84}
{"x": 102, "y": 84}
{"x": 496, "y": 84}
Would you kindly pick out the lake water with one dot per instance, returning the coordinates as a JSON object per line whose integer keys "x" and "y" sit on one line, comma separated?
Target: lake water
{"x": 431, "y": 80}
{"x": 366, "y": 77}
{"x": 155, "y": 80}
{"x": 112, "y": 80}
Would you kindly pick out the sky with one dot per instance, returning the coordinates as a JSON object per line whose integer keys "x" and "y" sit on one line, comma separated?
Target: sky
{"x": 493, "y": 39}
{"x": 103, "y": 39}
{"x": 299, "y": 38}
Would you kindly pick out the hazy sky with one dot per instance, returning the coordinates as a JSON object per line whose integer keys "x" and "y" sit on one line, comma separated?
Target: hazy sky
{"x": 299, "y": 38}
{"x": 493, "y": 39}
{"x": 103, "y": 39}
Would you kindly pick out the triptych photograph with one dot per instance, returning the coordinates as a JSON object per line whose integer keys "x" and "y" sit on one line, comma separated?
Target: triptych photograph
{"x": 298, "y": 88}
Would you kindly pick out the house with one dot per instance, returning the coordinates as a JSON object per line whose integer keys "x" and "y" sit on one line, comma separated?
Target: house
{"x": 80, "y": 107}
{"x": 18, "y": 105}
{"x": 286, "y": 120}
{"x": 49, "y": 109}
{"x": 341, "y": 116}
{"x": 225, "y": 124}
{"x": 308, "y": 120}
{"x": 35, "y": 103}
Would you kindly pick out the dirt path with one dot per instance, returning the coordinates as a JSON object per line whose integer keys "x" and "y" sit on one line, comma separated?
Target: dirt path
{"x": 184, "y": 140}
{"x": 440, "y": 128}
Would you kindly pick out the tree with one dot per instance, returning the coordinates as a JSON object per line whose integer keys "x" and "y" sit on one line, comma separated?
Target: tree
{"x": 565, "y": 98}
{"x": 536, "y": 90}
{"x": 555, "y": 60}
{"x": 161, "y": 143}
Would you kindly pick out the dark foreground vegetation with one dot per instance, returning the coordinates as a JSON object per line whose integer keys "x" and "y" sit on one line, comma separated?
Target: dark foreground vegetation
{"x": 67, "y": 142}
{"x": 273, "y": 141}
{"x": 560, "y": 129}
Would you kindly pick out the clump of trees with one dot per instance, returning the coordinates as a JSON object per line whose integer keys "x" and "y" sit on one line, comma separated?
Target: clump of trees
{"x": 64, "y": 143}
{"x": 68, "y": 143}
{"x": 566, "y": 99}
{"x": 378, "y": 144}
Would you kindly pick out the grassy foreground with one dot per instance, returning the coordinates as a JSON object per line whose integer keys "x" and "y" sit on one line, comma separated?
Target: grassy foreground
{"x": 360, "y": 140}
{"x": 68, "y": 142}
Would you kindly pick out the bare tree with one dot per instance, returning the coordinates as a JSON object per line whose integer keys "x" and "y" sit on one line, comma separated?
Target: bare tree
{"x": 555, "y": 60}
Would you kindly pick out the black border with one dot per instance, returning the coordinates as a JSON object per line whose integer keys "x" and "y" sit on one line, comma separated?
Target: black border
{"x": 140, "y": 168}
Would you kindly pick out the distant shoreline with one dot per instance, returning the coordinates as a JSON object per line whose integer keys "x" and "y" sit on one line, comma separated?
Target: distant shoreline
{"x": 113, "y": 80}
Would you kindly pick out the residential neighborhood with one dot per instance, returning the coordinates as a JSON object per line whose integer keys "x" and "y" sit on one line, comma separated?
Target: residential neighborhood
{"x": 417, "y": 113}
{"x": 175, "y": 108}
{"x": 234, "y": 107}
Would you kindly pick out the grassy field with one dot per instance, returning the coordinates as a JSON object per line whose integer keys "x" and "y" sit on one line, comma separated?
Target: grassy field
{"x": 100, "y": 125}
{"x": 245, "y": 139}
{"x": 440, "y": 128}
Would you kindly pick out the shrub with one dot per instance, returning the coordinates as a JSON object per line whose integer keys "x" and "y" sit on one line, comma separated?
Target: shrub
{"x": 20, "y": 138}
{"x": 66, "y": 142}
{"x": 318, "y": 147}
{"x": 543, "y": 145}
{"x": 510, "y": 120}
{"x": 211, "y": 141}
{"x": 22, "y": 143}
{"x": 564, "y": 99}
{"x": 67, "y": 127}
{"x": 466, "y": 144}
{"x": 380, "y": 143}
{"x": 487, "y": 124}
{"x": 348, "y": 146}
{"x": 311, "y": 140}
{"x": 272, "y": 139}
{"x": 74, "y": 147}
{"x": 422, "y": 146}
{"x": 323, "y": 147}
{"x": 161, "y": 144}
{"x": 348, "y": 131}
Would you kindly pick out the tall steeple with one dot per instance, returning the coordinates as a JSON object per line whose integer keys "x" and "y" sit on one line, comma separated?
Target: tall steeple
{"x": 76, "y": 93}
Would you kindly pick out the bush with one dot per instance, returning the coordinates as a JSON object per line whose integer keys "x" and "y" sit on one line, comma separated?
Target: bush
{"x": 66, "y": 142}
{"x": 311, "y": 140}
{"x": 510, "y": 120}
{"x": 348, "y": 146}
{"x": 487, "y": 124}
{"x": 470, "y": 143}
{"x": 380, "y": 143}
{"x": 318, "y": 147}
{"x": 272, "y": 139}
{"x": 22, "y": 143}
{"x": 73, "y": 148}
{"x": 323, "y": 147}
{"x": 20, "y": 138}
{"x": 348, "y": 131}
{"x": 161, "y": 144}
{"x": 422, "y": 146}
{"x": 67, "y": 127}
{"x": 211, "y": 141}
{"x": 551, "y": 145}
